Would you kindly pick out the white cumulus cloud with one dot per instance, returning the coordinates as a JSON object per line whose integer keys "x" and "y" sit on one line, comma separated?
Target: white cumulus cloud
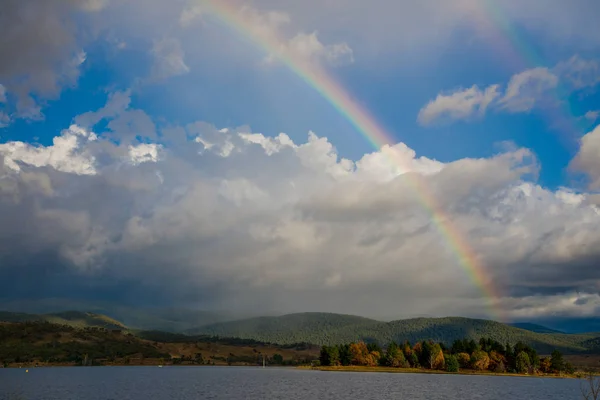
{"x": 245, "y": 221}
{"x": 524, "y": 91}
{"x": 461, "y": 104}
{"x": 587, "y": 159}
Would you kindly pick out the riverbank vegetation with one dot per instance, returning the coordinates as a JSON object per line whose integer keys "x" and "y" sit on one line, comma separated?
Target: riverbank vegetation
{"x": 486, "y": 355}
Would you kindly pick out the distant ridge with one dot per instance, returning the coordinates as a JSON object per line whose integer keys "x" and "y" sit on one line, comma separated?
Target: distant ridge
{"x": 77, "y": 319}
{"x": 163, "y": 319}
{"x": 534, "y": 327}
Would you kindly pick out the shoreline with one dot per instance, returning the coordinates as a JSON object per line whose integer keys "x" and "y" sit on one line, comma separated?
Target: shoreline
{"x": 391, "y": 370}
{"x": 65, "y": 365}
{"x": 388, "y": 370}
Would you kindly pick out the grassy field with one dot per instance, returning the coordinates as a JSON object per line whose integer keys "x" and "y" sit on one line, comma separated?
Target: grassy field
{"x": 585, "y": 361}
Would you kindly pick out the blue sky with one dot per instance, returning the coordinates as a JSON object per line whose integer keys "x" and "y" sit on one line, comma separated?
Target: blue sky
{"x": 271, "y": 100}
{"x": 141, "y": 104}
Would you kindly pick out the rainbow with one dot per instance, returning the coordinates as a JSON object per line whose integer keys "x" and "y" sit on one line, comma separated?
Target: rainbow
{"x": 318, "y": 78}
{"x": 520, "y": 55}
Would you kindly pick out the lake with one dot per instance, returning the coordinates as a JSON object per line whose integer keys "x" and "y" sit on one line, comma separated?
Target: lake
{"x": 175, "y": 383}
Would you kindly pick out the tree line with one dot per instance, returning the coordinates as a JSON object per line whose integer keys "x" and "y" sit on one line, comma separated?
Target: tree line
{"x": 485, "y": 355}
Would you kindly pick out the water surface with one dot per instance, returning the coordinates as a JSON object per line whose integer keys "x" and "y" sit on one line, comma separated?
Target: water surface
{"x": 178, "y": 383}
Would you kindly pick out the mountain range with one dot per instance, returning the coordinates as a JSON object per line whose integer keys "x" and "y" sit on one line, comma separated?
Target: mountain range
{"x": 328, "y": 328}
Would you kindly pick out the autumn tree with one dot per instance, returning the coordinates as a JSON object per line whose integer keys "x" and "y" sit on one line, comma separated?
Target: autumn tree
{"x": 497, "y": 362}
{"x": 480, "y": 360}
{"x": 545, "y": 365}
{"x": 358, "y": 353}
{"x": 436, "y": 357}
{"x": 411, "y": 357}
{"x": 406, "y": 349}
{"x": 464, "y": 360}
{"x": 418, "y": 349}
{"x": 372, "y": 359}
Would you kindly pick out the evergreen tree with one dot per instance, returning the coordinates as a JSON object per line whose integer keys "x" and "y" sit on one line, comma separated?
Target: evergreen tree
{"x": 557, "y": 363}
{"x": 451, "y": 363}
{"x": 510, "y": 357}
{"x": 472, "y": 347}
{"x": 371, "y": 347}
{"x": 458, "y": 347}
{"x": 391, "y": 355}
{"x": 329, "y": 356}
{"x": 344, "y": 354}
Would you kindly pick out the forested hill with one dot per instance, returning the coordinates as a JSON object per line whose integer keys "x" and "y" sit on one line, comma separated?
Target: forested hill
{"x": 324, "y": 328}
{"x": 317, "y": 328}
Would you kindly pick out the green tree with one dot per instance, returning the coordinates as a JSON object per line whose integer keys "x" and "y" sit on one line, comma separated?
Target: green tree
{"x": 522, "y": 362}
{"x": 414, "y": 360}
{"x": 569, "y": 369}
{"x": 430, "y": 353}
{"x": 451, "y": 363}
{"x": 393, "y": 357}
{"x": 472, "y": 346}
{"x": 371, "y": 347}
{"x": 458, "y": 346}
{"x": 329, "y": 356}
{"x": 277, "y": 358}
{"x": 557, "y": 363}
{"x": 344, "y": 354}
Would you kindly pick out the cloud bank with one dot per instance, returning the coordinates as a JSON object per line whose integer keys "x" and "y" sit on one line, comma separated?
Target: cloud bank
{"x": 229, "y": 217}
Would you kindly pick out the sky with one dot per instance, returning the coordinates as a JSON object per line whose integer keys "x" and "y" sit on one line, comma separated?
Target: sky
{"x": 389, "y": 159}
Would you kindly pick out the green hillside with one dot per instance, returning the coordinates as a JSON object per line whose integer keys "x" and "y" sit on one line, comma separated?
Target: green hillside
{"x": 323, "y": 328}
{"x": 315, "y": 328}
{"x": 75, "y": 319}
